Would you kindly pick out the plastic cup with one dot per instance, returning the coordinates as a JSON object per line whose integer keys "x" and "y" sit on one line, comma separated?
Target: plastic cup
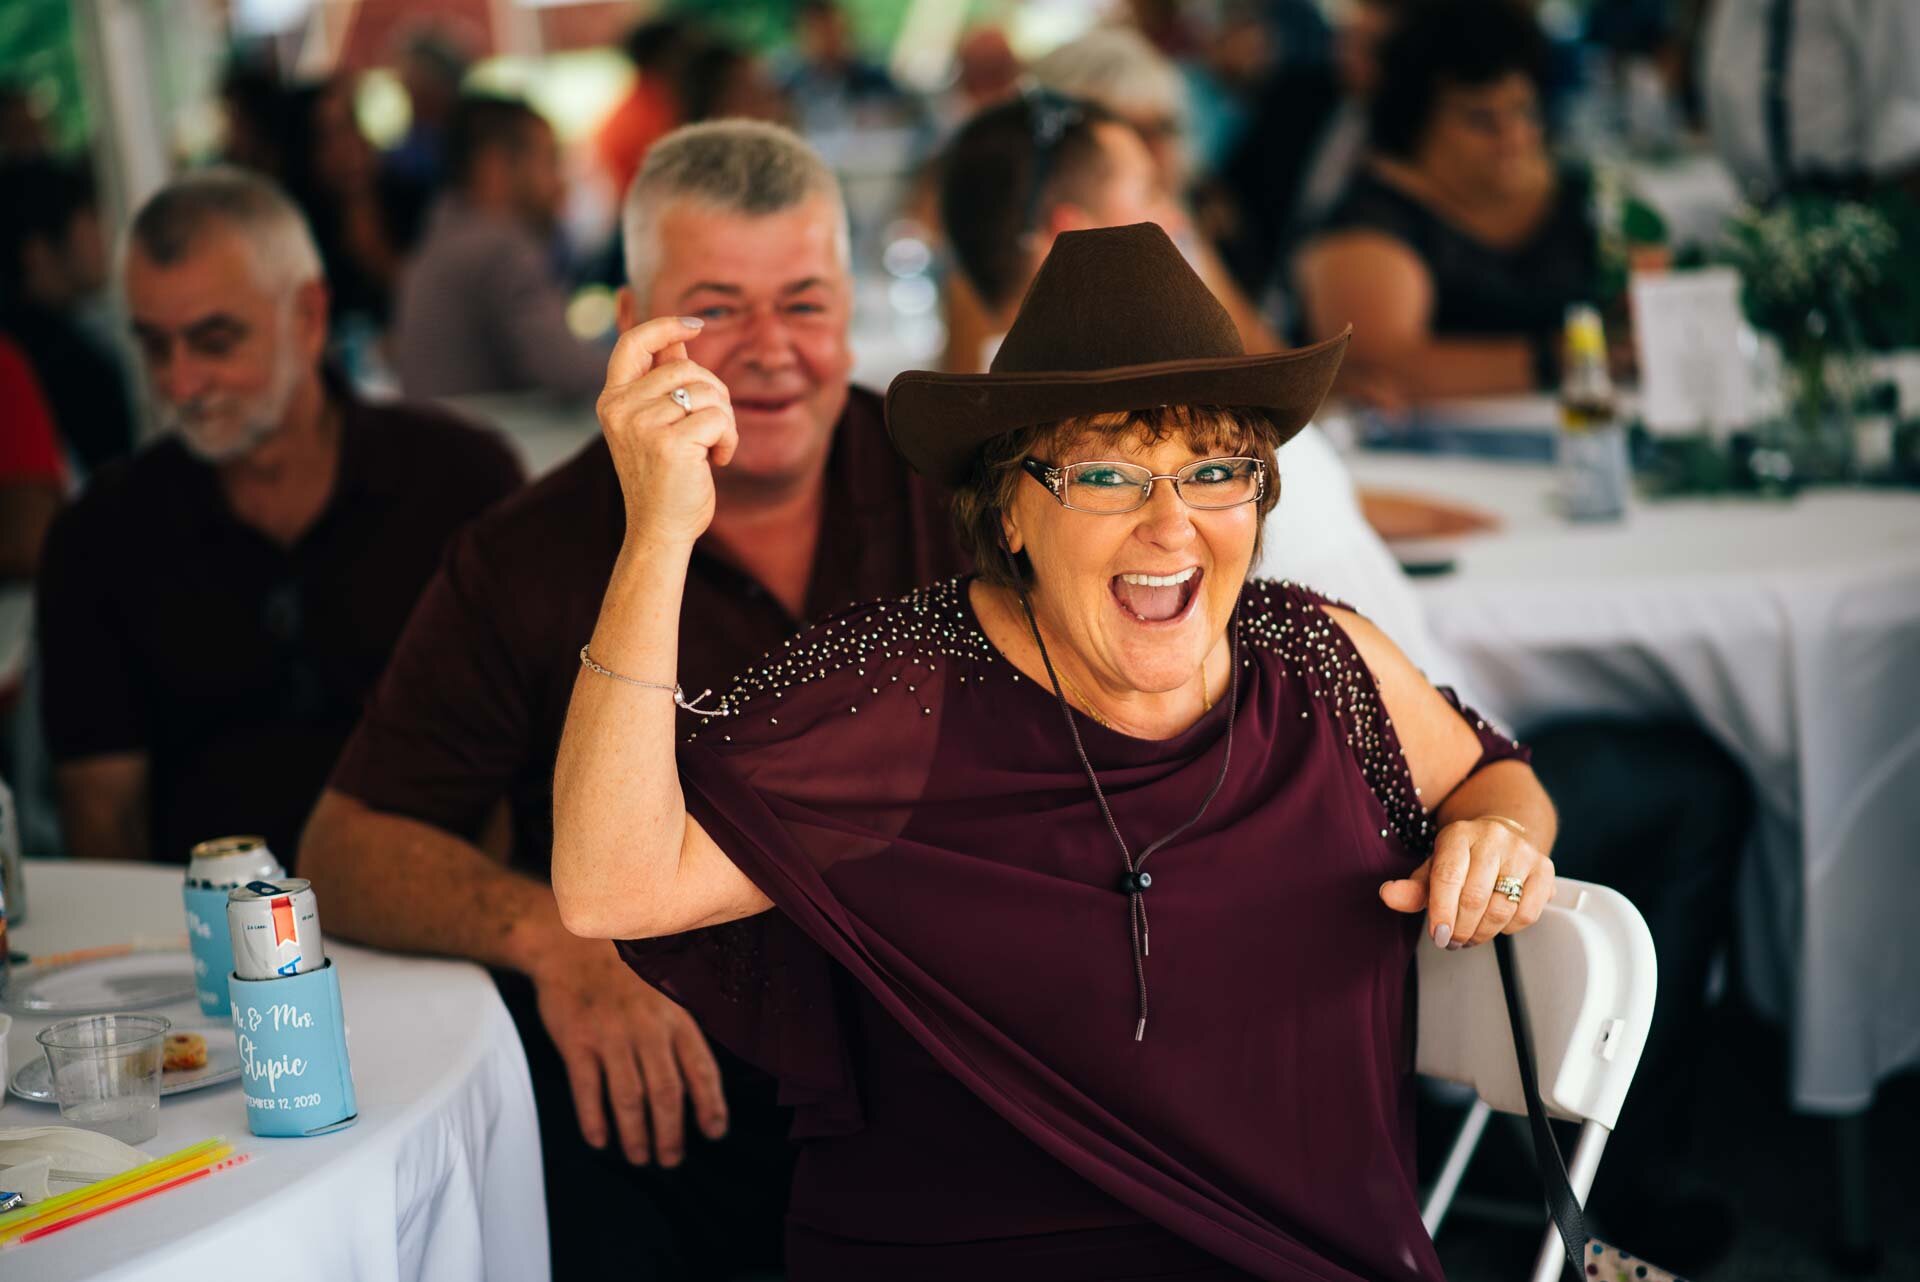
{"x": 106, "y": 1072}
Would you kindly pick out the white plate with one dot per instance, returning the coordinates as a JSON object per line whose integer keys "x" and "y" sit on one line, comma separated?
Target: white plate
{"x": 35, "y": 1082}
{"x": 133, "y": 981}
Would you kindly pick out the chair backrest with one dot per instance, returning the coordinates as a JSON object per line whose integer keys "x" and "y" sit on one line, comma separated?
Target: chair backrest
{"x": 1587, "y": 974}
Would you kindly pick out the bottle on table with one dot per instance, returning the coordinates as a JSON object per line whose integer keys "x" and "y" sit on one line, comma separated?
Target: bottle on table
{"x": 1594, "y": 475}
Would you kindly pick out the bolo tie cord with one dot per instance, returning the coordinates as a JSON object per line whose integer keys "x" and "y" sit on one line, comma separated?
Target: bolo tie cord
{"x": 1136, "y": 881}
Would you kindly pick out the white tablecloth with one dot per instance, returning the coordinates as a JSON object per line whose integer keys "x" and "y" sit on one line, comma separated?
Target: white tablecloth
{"x": 438, "y": 1180}
{"x": 1790, "y": 631}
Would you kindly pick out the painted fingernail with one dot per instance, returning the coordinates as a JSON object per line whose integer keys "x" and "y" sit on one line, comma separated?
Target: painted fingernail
{"x": 1441, "y": 934}
{"x": 693, "y": 322}
{"x": 1455, "y": 946}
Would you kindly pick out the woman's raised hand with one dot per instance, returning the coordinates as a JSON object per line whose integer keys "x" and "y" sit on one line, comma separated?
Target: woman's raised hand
{"x": 665, "y": 447}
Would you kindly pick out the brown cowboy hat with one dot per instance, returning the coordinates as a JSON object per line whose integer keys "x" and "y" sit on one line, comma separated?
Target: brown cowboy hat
{"x": 1115, "y": 320}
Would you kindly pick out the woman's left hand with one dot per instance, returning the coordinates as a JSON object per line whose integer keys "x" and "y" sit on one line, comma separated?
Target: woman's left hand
{"x": 1454, "y": 887}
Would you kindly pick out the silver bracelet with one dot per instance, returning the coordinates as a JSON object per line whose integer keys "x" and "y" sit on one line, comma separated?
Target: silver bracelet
{"x": 679, "y": 696}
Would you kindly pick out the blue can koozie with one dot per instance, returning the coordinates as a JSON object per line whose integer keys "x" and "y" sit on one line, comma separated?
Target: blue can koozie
{"x": 293, "y": 1052}
{"x": 211, "y": 945}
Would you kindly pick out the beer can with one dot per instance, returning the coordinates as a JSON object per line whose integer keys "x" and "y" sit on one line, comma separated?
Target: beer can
{"x": 275, "y": 927}
{"x": 215, "y": 868}
{"x": 226, "y": 862}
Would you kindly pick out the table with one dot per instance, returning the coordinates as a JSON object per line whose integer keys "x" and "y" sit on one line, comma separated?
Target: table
{"x": 1791, "y": 632}
{"x": 438, "y": 1180}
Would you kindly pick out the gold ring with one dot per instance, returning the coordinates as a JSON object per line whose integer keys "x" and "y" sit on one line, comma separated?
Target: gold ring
{"x": 1511, "y": 887}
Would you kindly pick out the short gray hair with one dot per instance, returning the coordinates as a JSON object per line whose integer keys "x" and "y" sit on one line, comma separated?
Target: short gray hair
{"x": 733, "y": 166}
{"x": 1121, "y": 70}
{"x": 183, "y": 213}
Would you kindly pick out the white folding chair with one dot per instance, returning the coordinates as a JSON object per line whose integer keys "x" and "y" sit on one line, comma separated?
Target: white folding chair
{"x": 1587, "y": 973}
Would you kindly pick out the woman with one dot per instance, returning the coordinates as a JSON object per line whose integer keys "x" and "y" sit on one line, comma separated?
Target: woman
{"x": 1087, "y": 957}
{"x": 1455, "y": 252}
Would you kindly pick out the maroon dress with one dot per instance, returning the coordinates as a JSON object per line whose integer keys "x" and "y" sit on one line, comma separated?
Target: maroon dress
{"x": 946, "y": 989}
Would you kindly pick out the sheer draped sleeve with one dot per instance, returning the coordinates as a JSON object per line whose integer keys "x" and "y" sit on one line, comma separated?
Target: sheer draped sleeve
{"x": 1348, "y": 686}
{"x": 825, "y": 754}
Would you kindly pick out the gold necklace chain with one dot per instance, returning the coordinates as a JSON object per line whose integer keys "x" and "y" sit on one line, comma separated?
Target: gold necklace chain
{"x": 1206, "y": 700}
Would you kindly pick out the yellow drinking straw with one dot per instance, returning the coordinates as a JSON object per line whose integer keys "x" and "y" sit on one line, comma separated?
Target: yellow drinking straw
{"x": 157, "y": 1171}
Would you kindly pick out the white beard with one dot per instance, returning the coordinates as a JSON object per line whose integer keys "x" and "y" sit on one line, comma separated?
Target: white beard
{"x": 204, "y": 423}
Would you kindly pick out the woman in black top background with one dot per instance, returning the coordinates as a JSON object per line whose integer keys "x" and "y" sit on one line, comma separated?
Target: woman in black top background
{"x": 1456, "y": 250}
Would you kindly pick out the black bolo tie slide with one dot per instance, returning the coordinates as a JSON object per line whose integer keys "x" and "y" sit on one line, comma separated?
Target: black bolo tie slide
{"x": 1134, "y": 882}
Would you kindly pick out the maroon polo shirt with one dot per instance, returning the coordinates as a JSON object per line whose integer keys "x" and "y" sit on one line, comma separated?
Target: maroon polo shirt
{"x": 472, "y": 705}
{"x": 238, "y": 666}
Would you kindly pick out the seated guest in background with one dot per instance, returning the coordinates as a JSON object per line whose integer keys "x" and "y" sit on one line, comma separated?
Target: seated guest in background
{"x": 365, "y": 218}
{"x": 33, "y": 473}
{"x": 1020, "y": 173}
{"x": 432, "y": 67}
{"x": 482, "y": 307}
{"x": 213, "y": 610}
{"x": 651, "y": 107}
{"x": 1119, "y": 69}
{"x": 53, "y": 263}
{"x": 999, "y": 1076}
{"x": 832, "y": 87}
{"x": 1455, "y": 252}
{"x": 741, "y": 227}
{"x": 1304, "y": 141}
{"x": 720, "y": 80}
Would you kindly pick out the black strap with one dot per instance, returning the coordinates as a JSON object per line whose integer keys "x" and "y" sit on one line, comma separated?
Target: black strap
{"x": 1565, "y": 1208}
{"x": 1777, "y": 94}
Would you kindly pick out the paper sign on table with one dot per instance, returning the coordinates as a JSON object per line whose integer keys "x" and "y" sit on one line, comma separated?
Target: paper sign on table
{"x": 1687, "y": 330}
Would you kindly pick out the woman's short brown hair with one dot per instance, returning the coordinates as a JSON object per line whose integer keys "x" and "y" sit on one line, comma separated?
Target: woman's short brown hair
{"x": 988, "y": 492}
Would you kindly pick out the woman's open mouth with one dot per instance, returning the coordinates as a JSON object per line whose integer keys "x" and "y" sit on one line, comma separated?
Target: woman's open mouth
{"x": 1157, "y": 598}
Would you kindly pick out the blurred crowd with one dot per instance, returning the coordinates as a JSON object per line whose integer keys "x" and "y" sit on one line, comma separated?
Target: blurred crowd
{"x": 1422, "y": 171}
{"x": 212, "y": 609}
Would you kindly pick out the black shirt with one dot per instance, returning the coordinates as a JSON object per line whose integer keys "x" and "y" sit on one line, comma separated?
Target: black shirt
{"x": 1480, "y": 290}
{"x": 166, "y": 626}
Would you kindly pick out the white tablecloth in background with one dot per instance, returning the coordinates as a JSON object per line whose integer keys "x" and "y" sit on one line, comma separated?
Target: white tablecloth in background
{"x": 439, "y": 1179}
{"x": 1791, "y": 632}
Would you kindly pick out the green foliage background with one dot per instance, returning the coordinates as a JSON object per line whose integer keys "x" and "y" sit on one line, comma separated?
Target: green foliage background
{"x": 37, "y": 53}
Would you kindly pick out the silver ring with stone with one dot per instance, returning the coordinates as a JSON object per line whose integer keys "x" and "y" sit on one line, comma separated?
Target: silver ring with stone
{"x": 680, "y": 397}
{"x": 1511, "y": 887}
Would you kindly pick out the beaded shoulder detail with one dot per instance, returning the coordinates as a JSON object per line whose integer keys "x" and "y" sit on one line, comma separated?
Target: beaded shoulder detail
{"x": 869, "y": 641}
{"x": 1288, "y": 621}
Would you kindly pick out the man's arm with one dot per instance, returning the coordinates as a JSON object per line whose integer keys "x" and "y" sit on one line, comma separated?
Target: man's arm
{"x": 1377, "y": 284}
{"x": 103, "y": 806}
{"x": 449, "y": 727}
{"x": 415, "y": 888}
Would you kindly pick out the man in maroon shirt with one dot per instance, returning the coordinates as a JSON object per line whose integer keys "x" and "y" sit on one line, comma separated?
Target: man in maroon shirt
{"x": 214, "y": 610}
{"x": 741, "y": 226}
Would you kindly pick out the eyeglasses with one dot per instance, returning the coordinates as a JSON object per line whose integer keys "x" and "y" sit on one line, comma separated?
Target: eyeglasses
{"x": 1111, "y": 489}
